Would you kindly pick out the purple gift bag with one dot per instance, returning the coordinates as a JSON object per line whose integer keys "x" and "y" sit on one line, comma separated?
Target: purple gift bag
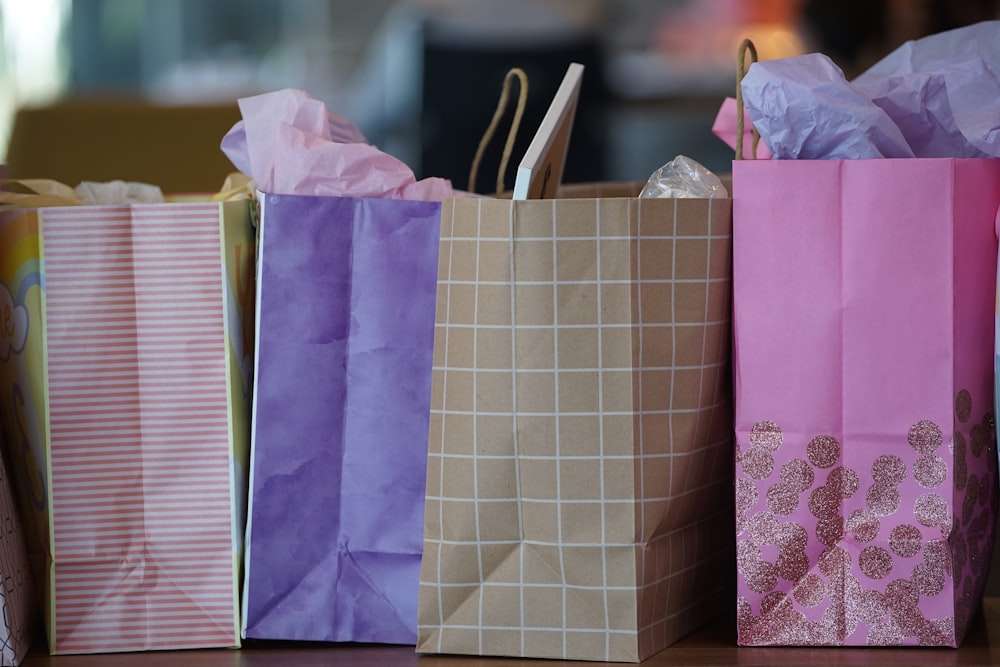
{"x": 345, "y": 334}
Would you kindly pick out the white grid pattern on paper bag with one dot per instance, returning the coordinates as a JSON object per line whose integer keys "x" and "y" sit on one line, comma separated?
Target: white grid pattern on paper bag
{"x": 685, "y": 435}
{"x": 140, "y": 447}
{"x": 547, "y": 399}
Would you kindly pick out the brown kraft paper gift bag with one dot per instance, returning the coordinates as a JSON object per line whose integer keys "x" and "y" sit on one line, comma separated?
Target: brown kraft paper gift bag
{"x": 579, "y": 484}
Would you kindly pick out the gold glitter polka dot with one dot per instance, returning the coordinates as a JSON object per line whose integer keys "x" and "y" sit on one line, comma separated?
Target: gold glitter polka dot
{"x": 746, "y": 497}
{"x": 746, "y": 494}
{"x": 925, "y": 436}
{"x": 986, "y": 491}
{"x": 936, "y": 554}
{"x": 844, "y": 480}
{"x": 905, "y": 540}
{"x": 959, "y": 557}
{"x": 763, "y": 528}
{"x": 782, "y": 499}
{"x": 979, "y": 439}
{"x": 761, "y": 578}
{"x": 901, "y": 593}
{"x": 792, "y": 565}
{"x": 971, "y": 496}
{"x": 931, "y": 509}
{"x": 834, "y": 561}
{"x": 930, "y": 635}
{"x": 863, "y": 524}
{"x": 961, "y": 467}
{"x": 928, "y": 581}
{"x": 792, "y": 537}
{"x": 744, "y": 615}
{"x": 883, "y": 499}
{"x": 907, "y": 618}
{"x": 830, "y": 531}
{"x": 945, "y": 625}
{"x": 757, "y": 463}
{"x": 990, "y": 424}
{"x": 766, "y": 434}
{"x": 824, "y": 502}
{"x": 875, "y": 562}
{"x": 852, "y": 588}
{"x": 758, "y": 574}
{"x": 809, "y": 591}
{"x": 930, "y": 471}
{"x": 833, "y": 626}
{"x": 823, "y": 451}
{"x": 773, "y": 602}
{"x": 963, "y": 405}
{"x": 888, "y": 469}
{"x": 797, "y": 474}
{"x": 870, "y": 606}
{"x": 885, "y": 634}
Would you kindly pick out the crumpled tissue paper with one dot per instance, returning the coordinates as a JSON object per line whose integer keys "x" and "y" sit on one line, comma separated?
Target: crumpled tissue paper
{"x": 290, "y": 143}
{"x": 931, "y": 97}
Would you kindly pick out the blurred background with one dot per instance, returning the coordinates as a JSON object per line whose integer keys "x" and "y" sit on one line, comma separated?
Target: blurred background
{"x": 145, "y": 89}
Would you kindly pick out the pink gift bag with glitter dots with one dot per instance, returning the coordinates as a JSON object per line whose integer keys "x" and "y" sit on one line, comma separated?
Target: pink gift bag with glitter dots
{"x": 863, "y": 365}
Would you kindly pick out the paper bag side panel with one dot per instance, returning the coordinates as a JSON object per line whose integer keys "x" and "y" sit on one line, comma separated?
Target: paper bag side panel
{"x": 22, "y": 389}
{"x": 140, "y": 453}
{"x": 21, "y": 398}
{"x": 682, "y": 263}
{"x": 976, "y": 185}
{"x": 239, "y": 293}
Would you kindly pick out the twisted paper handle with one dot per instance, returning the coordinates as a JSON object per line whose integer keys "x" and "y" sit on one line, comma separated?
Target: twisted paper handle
{"x": 745, "y": 46}
{"x": 522, "y": 100}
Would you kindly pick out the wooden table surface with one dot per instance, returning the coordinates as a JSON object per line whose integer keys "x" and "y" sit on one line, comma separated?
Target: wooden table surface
{"x": 714, "y": 645}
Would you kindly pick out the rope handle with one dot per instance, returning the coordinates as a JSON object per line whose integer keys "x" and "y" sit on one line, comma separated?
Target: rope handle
{"x": 522, "y": 100}
{"x": 746, "y": 46}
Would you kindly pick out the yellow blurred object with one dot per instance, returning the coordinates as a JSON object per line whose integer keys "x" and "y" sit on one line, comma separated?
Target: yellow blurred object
{"x": 37, "y": 192}
{"x": 106, "y": 139}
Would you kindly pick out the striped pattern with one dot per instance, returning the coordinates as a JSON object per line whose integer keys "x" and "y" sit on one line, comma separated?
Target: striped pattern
{"x": 139, "y": 431}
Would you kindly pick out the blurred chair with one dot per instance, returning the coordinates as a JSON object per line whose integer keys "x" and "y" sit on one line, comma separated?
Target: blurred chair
{"x": 104, "y": 139}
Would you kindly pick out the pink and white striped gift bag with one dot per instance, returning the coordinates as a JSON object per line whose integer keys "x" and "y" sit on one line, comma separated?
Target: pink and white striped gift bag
{"x": 132, "y": 374}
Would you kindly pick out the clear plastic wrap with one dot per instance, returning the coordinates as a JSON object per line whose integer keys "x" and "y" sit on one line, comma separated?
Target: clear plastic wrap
{"x": 684, "y": 178}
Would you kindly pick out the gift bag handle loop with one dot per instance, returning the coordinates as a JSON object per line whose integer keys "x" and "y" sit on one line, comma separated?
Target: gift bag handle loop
{"x": 522, "y": 100}
{"x": 746, "y": 46}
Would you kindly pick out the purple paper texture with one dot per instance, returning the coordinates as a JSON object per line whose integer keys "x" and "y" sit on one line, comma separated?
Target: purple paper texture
{"x": 347, "y": 290}
{"x": 942, "y": 91}
{"x": 804, "y": 108}
{"x": 932, "y": 97}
